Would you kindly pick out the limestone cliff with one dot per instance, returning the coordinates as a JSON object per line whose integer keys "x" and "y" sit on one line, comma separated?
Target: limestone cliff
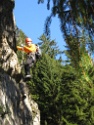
{"x": 16, "y": 106}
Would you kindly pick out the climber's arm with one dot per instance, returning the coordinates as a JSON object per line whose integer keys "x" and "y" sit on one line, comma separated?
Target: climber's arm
{"x": 20, "y": 48}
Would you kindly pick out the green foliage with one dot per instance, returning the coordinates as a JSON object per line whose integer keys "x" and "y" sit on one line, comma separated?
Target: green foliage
{"x": 80, "y": 58}
{"x": 73, "y": 51}
{"x": 49, "y": 47}
{"x": 65, "y": 94}
{"x": 21, "y": 37}
{"x": 69, "y": 95}
{"x": 76, "y": 18}
{"x": 76, "y": 100}
{"x": 86, "y": 68}
{"x": 46, "y": 85}
{"x": 21, "y": 40}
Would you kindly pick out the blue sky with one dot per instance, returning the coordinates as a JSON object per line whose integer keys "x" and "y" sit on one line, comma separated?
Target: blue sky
{"x": 30, "y": 18}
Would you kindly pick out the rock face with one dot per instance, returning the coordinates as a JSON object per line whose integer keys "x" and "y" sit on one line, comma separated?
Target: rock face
{"x": 16, "y": 106}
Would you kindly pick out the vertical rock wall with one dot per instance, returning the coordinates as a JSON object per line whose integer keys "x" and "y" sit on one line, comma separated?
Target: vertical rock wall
{"x": 16, "y": 105}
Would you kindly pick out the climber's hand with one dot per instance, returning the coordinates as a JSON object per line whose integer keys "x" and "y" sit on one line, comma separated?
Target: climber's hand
{"x": 22, "y": 45}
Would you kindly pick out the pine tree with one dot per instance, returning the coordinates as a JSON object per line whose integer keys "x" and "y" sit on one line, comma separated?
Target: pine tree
{"x": 77, "y": 100}
{"x": 46, "y": 89}
{"x": 78, "y": 86}
{"x": 49, "y": 46}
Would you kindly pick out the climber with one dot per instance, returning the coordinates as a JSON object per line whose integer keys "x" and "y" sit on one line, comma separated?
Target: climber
{"x": 31, "y": 51}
